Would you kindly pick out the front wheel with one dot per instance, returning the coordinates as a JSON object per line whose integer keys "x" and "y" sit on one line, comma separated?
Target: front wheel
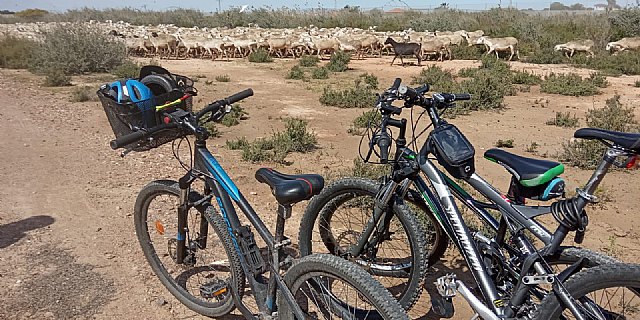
{"x": 327, "y": 287}
{"x": 605, "y": 292}
{"x": 335, "y": 219}
{"x": 210, "y": 270}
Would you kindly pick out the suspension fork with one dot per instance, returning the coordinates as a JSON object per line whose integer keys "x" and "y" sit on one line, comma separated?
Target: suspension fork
{"x": 204, "y": 224}
{"x": 380, "y": 207}
{"x": 183, "y": 210}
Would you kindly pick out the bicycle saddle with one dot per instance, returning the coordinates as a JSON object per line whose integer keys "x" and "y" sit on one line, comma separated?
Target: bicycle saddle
{"x": 289, "y": 189}
{"x": 629, "y": 141}
{"x": 529, "y": 172}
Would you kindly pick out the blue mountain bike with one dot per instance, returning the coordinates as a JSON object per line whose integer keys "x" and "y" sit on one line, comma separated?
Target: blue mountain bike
{"x": 208, "y": 259}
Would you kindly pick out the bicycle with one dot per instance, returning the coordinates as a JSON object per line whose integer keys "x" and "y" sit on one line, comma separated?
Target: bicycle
{"x": 507, "y": 267}
{"x": 206, "y": 257}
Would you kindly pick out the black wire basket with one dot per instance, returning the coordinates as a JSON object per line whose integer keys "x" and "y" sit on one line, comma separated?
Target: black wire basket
{"x": 128, "y": 117}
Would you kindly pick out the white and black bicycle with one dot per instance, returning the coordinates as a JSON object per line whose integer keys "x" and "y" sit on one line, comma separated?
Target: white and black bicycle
{"x": 372, "y": 223}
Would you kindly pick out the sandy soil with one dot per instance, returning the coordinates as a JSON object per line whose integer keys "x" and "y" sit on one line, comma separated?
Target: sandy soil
{"x": 67, "y": 241}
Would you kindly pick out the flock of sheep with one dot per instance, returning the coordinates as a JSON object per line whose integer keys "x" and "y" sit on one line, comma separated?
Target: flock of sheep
{"x": 168, "y": 41}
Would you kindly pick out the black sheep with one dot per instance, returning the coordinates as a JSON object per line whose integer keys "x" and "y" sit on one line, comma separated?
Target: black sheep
{"x": 405, "y": 49}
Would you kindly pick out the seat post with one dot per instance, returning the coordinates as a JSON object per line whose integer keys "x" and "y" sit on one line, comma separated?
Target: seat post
{"x": 284, "y": 211}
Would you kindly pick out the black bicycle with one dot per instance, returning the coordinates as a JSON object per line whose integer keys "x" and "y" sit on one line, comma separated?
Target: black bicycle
{"x": 511, "y": 273}
{"x": 206, "y": 257}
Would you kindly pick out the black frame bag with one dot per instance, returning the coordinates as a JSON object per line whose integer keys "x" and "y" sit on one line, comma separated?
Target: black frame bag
{"x": 453, "y": 151}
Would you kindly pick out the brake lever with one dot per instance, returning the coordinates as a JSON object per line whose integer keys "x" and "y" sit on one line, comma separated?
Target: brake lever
{"x": 218, "y": 115}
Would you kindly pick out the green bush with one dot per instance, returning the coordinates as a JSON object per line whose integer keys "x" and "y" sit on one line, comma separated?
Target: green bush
{"x": 504, "y": 143}
{"x": 309, "y": 61}
{"x": 76, "y": 49}
{"x": 359, "y": 96}
{"x": 587, "y": 154}
{"x": 238, "y": 144}
{"x": 565, "y": 120}
{"x": 295, "y": 73}
{"x": 128, "y": 69}
{"x": 467, "y": 72}
{"x": 365, "y": 120}
{"x": 56, "y": 78}
{"x": 546, "y": 56}
{"x": 489, "y": 62}
{"x": 83, "y": 94}
{"x": 339, "y": 61}
{"x": 488, "y": 89}
{"x": 524, "y": 77}
{"x": 260, "y": 56}
{"x": 295, "y": 138}
{"x": 637, "y": 84}
{"x": 320, "y": 73}
{"x": 569, "y": 85}
{"x": 438, "y": 79}
{"x": 223, "y": 78}
{"x": 16, "y": 53}
{"x": 368, "y": 170}
{"x": 233, "y": 118}
{"x": 599, "y": 80}
{"x": 369, "y": 80}
{"x": 613, "y": 65}
{"x": 488, "y": 85}
{"x": 212, "y": 129}
{"x": 464, "y": 52}
{"x": 532, "y": 148}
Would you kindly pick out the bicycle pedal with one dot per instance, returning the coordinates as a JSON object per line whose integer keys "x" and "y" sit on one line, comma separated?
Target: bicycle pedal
{"x": 250, "y": 250}
{"x": 213, "y": 289}
{"x": 443, "y": 307}
{"x": 446, "y": 285}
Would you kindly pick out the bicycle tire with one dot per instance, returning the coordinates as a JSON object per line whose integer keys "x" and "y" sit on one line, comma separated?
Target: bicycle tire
{"x": 215, "y": 222}
{"x": 413, "y": 229}
{"x": 319, "y": 265}
{"x": 569, "y": 255}
{"x": 597, "y": 278}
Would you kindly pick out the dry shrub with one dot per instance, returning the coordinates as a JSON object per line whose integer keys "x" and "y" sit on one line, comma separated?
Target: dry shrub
{"x": 587, "y": 154}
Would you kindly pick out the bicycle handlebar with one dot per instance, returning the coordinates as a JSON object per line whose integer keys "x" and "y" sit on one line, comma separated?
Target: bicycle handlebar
{"x": 412, "y": 97}
{"x": 212, "y": 107}
{"x": 139, "y": 135}
{"x": 396, "y": 84}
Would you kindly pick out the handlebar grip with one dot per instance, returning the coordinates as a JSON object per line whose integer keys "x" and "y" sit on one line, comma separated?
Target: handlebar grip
{"x": 408, "y": 92}
{"x": 383, "y": 143}
{"x": 128, "y": 139}
{"x": 239, "y": 96}
{"x": 396, "y": 84}
{"x": 461, "y": 96}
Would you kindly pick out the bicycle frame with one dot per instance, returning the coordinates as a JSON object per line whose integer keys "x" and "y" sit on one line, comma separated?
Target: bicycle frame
{"x": 219, "y": 185}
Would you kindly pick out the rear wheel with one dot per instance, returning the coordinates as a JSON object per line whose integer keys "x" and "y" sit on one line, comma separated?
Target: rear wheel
{"x": 608, "y": 292}
{"x": 203, "y": 282}
{"x": 334, "y": 220}
{"x": 327, "y": 287}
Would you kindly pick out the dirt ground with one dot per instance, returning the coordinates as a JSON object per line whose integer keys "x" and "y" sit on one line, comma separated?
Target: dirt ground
{"x": 67, "y": 242}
